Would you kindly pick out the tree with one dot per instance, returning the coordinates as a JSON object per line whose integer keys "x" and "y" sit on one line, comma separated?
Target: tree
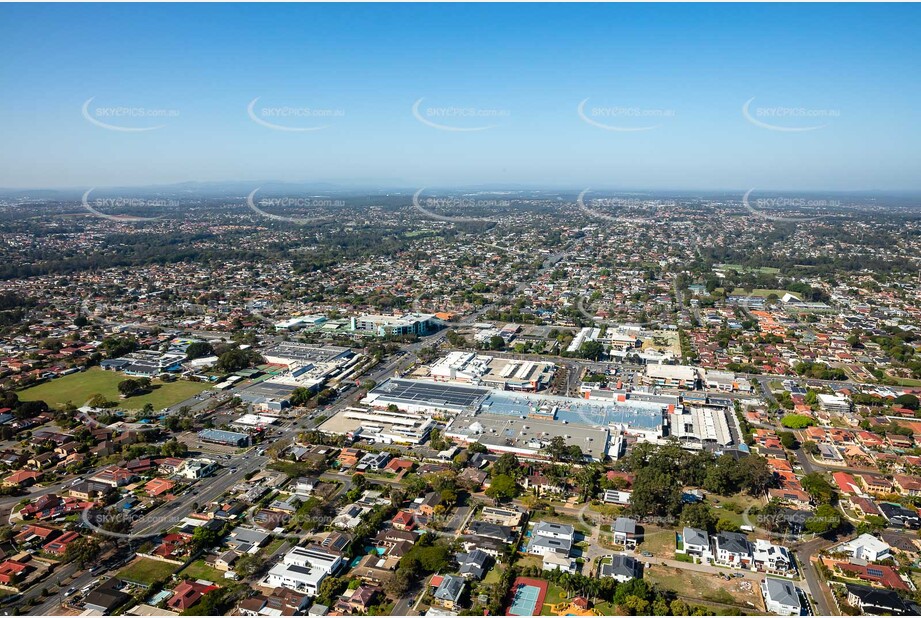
{"x": 198, "y": 349}
{"x": 507, "y": 464}
{"x": 502, "y": 487}
{"x": 787, "y": 439}
{"x": 82, "y": 551}
{"x": 399, "y": 583}
{"x": 127, "y": 388}
{"x": 300, "y": 396}
{"x": 908, "y": 401}
{"x": 698, "y": 515}
{"x": 826, "y": 519}
{"x": 330, "y": 589}
{"x": 592, "y": 350}
{"x": 819, "y": 489}
{"x": 496, "y": 343}
{"x": 99, "y": 401}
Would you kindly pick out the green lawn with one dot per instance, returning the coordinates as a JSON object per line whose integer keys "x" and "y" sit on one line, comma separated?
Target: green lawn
{"x": 493, "y": 576}
{"x": 200, "y": 570}
{"x": 555, "y": 595}
{"x": 78, "y": 388}
{"x": 146, "y": 571}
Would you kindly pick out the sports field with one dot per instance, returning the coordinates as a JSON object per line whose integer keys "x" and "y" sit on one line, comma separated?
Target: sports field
{"x": 78, "y": 388}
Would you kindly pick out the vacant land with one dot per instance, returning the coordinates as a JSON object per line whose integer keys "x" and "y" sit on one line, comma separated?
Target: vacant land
{"x": 693, "y": 585}
{"x": 200, "y": 570}
{"x": 78, "y": 388}
{"x": 146, "y": 571}
{"x": 658, "y": 541}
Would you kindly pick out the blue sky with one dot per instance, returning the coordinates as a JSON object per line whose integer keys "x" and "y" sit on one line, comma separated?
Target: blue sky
{"x": 521, "y": 70}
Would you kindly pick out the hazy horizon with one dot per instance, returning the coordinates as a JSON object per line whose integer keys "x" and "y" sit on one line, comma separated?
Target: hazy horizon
{"x": 622, "y": 97}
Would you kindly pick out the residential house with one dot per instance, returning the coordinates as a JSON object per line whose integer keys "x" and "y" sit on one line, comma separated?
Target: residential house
{"x": 781, "y": 597}
{"x": 622, "y": 568}
{"x": 877, "y": 601}
{"x": 732, "y": 549}
{"x": 187, "y": 594}
{"x": 772, "y": 558}
{"x": 865, "y": 547}
{"x": 473, "y": 564}
{"x": 449, "y": 591}
{"x": 624, "y": 530}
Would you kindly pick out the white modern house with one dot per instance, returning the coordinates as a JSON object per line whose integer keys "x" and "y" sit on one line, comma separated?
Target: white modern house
{"x": 781, "y": 597}
{"x": 865, "y": 547}
{"x": 772, "y": 558}
{"x": 696, "y": 542}
{"x": 303, "y": 569}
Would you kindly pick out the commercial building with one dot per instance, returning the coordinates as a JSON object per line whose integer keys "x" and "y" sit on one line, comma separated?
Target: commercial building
{"x": 302, "y": 354}
{"x": 227, "y": 438}
{"x": 702, "y": 426}
{"x": 423, "y": 396}
{"x": 299, "y": 322}
{"x": 381, "y": 426}
{"x": 501, "y": 373}
{"x": 395, "y": 326}
{"x": 671, "y": 376}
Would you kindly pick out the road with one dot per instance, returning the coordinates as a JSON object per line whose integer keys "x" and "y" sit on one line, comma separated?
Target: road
{"x": 817, "y": 588}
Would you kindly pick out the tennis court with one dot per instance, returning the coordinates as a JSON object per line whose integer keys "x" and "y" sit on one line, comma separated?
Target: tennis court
{"x": 528, "y": 598}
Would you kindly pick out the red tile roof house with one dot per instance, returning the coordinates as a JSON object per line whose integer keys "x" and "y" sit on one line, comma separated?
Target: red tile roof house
{"x": 173, "y": 545}
{"x": 59, "y": 545}
{"x": 797, "y": 498}
{"x": 187, "y": 594}
{"x": 882, "y": 575}
{"x": 115, "y": 476}
{"x": 12, "y": 571}
{"x": 908, "y": 485}
{"x": 864, "y": 506}
{"x": 23, "y": 478}
{"x": 157, "y": 487}
{"x": 32, "y": 534}
{"x": 846, "y": 483}
{"x": 403, "y": 521}
{"x": 399, "y": 466}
